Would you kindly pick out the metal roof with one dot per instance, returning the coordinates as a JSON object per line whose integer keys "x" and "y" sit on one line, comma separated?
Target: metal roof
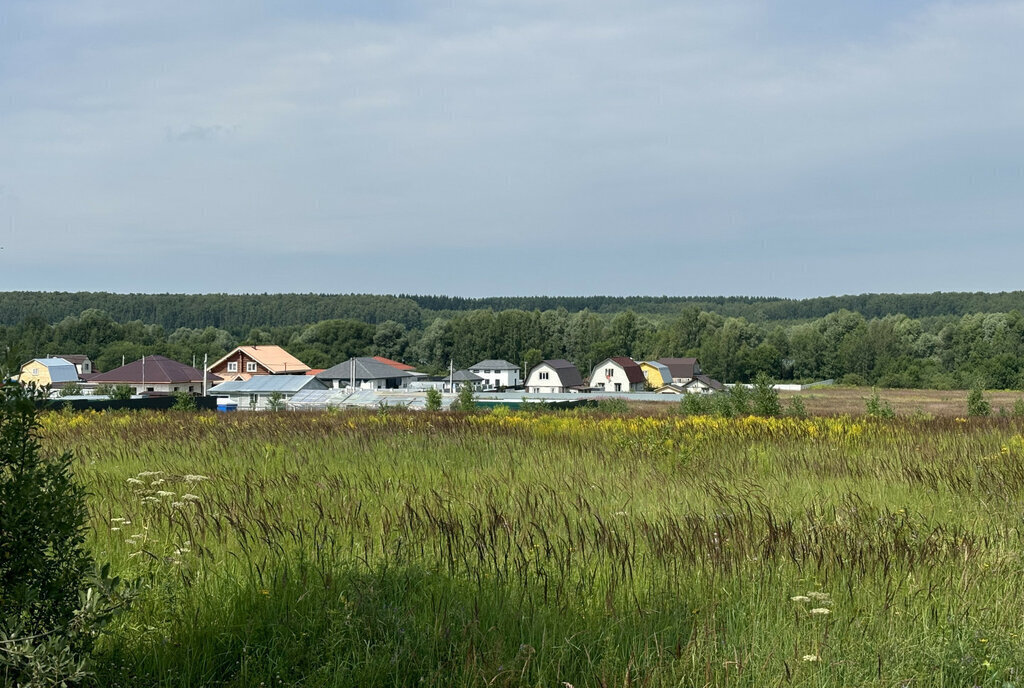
{"x": 60, "y": 370}
{"x": 156, "y": 370}
{"x": 261, "y": 384}
{"x": 494, "y": 364}
{"x": 568, "y": 374}
{"x": 465, "y": 376}
{"x": 367, "y": 368}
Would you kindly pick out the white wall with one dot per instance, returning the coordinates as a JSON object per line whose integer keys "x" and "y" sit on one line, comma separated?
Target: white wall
{"x": 599, "y": 378}
{"x": 497, "y": 378}
{"x": 552, "y": 384}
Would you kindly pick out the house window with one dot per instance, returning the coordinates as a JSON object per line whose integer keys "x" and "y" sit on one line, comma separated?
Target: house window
{"x": 254, "y": 399}
{"x": 618, "y": 386}
{"x": 233, "y": 367}
{"x": 250, "y": 367}
{"x": 150, "y": 389}
{"x": 608, "y": 372}
{"x": 543, "y": 376}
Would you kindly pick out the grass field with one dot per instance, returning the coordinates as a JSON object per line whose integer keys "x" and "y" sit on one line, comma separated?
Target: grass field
{"x": 503, "y": 549}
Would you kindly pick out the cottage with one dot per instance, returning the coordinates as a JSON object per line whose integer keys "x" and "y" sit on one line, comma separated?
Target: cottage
{"x": 618, "y": 374}
{"x": 262, "y": 392}
{"x": 461, "y": 378}
{"x": 80, "y": 361}
{"x": 365, "y": 372}
{"x": 682, "y": 369}
{"x": 48, "y": 372}
{"x": 156, "y": 375}
{"x": 702, "y": 384}
{"x": 657, "y": 374}
{"x": 497, "y": 373}
{"x": 554, "y": 376}
{"x": 245, "y": 361}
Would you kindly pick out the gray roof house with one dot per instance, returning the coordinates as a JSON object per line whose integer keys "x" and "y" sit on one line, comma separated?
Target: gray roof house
{"x": 365, "y": 372}
{"x": 497, "y": 373}
{"x": 461, "y": 378}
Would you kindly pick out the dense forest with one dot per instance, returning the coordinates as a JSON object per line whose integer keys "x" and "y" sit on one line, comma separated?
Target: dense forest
{"x": 943, "y": 341}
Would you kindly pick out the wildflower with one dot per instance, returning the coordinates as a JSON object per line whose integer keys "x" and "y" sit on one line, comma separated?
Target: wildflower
{"x": 177, "y": 505}
{"x": 811, "y": 658}
{"x": 158, "y": 481}
{"x": 114, "y": 529}
{"x": 195, "y": 478}
{"x": 189, "y": 497}
{"x": 134, "y": 481}
{"x": 151, "y": 499}
{"x": 149, "y": 474}
{"x": 800, "y": 598}
{"x": 164, "y": 493}
{"x": 818, "y": 595}
{"x": 118, "y": 520}
{"x": 820, "y": 610}
{"x": 264, "y": 592}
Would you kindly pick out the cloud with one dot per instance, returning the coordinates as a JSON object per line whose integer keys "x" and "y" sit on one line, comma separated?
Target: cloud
{"x": 716, "y": 132}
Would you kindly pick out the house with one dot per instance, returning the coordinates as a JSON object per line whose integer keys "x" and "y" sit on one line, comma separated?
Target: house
{"x": 48, "y": 372}
{"x": 618, "y": 374}
{"x": 682, "y": 369}
{"x": 702, "y": 384}
{"x": 261, "y": 392}
{"x": 365, "y": 372}
{"x": 657, "y": 374}
{"x": 395, "y": 364}
{"x": 156, "y": 375}
{"x": 461, "y": 378}
{"x": 245, "y": 361}
{"x": 80, "y": 361}
{"x": 554, "y": 376}
{"x": 497, "y": 373}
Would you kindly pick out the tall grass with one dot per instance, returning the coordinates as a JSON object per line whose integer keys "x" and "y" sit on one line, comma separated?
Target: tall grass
{"x": 400, "y": 549}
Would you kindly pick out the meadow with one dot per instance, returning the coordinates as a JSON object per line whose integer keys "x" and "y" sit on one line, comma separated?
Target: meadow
{"x": 555, "y": 549}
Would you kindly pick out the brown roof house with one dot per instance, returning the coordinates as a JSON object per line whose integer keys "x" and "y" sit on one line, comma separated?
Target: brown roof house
{"x": 618, "y": 374}
{"x": 266, "y": 359}
{"x": 156, "y": 375}
{"x": 683, "y": 369}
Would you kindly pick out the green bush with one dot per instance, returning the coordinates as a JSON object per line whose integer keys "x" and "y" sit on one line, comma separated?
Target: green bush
{"x": 184, "y": 401}
{"x": 797, "y": 408}
{"x": 739, "y": 395}
{"x": 766, "y": 397}
{"x": 977, "y": 405}
{"x": 466, "y": 400}
{"x": 876, "y": 407}
{"x": 51, "y": 602}
{"x": 433, "y": 400}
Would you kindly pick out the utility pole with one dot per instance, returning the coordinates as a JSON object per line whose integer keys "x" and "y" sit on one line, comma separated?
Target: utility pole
{"x": 204, "y": 373}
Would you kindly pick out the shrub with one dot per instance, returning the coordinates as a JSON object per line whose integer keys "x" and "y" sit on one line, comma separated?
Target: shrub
{"x": 119, "y": 392}
{"x": 876, "y": 407}
{"x": 184, "y": 401}
{"x": 694, "y": 405}
{"x": 51, "y": 602}
{"x": 71, "y": 389}
{"x": 797, "y": 408}
{"x": 977, "y": 404}
{"x": 1018, "y": 408}
{"x": 766, "y": 397}
{"x": 739, "y": 395}
{"x": 433, "y": 400}
{"x": 466, "y": 400}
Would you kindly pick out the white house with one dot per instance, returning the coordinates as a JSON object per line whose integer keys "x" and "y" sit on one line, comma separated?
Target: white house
{"x": 497, "y": 373}
{"x": 554, "y": 376}
{"x": 365, "y": 372}
{"x": 618, "y": 374}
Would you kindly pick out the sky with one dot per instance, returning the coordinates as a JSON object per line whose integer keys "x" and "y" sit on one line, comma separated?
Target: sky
{"x": 791, "y": 148}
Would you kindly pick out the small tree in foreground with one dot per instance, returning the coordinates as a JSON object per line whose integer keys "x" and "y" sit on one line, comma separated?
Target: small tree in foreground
{"x": 51, "y": 603}
{"x": 766, "y": 397}
{"x": 466, "y": 400}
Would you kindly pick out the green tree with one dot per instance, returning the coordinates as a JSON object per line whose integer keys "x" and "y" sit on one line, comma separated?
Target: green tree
{"x": 433, "y": 400}
{"x": 977, "y": 405}
{"x": 71, "y": 389}
{"x": 466, "y": 400}
{"x": 51, "y": 604}
{"x": 275, "y": 402}
{"x": 766, "y": 397}
{"x": 184, "y": 401}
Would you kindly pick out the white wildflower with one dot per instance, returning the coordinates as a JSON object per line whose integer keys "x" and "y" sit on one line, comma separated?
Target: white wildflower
{"x": 164, "y": 493}
{"x": 134, "y": 481}
{"x": 149, "y": 474}
{"x": 195, "y": 478}
{"x": 118, "y": 520}
{"x": 811, "y": 658}
{"x": 189, "y": 497}
{"x": 158, "y": 481}
{"x": 800, "y": 598}
{"x": 818, "y": 595}
{"x": 182, "y": 550}
{"x": 177, "y": 505}
{"x": 115, "y": 528}
{"x": 820, "y": 610}
{"x": 151, "y": 499}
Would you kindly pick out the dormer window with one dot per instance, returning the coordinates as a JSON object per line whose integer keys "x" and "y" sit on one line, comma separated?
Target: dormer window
{"x": 233, "y": 367}
{"x": 250, "y": 367}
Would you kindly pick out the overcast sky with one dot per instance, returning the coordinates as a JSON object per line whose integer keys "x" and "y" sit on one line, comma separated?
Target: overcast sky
{"x": 486, "y": 147}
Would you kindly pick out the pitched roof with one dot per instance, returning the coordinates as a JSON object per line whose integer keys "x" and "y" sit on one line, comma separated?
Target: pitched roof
{"x": 494, "y": 364}
{"x": 465, "y": 376}
{"x": 60, "y": 369}
{"x": 265, "y": 384}
{"x": 567, "y": 373}
{"x": 270, "y": 356}
{"x": 394, "y": 364}
{"x": 680, "y": 367}
{"x": 158, "y": 370}
{"x": 77, "y": 359}
{"x": 713, "y": 384}
{"x": 666, "y": 374}
{"x": 634, "y": 373}
{"x": 367, "y": 368}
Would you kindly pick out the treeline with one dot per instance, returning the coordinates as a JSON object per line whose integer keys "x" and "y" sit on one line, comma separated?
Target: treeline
{"x": 890, "y": 351}
{"x": 238, "y": 313}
